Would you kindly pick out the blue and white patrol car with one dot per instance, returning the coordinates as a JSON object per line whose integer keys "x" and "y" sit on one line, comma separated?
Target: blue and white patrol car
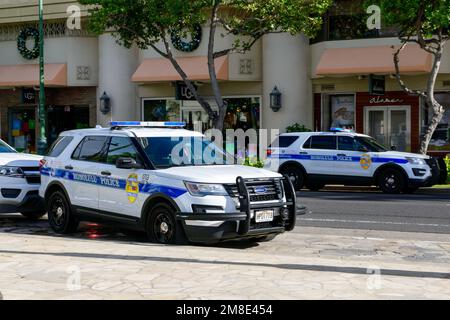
{"x": 314, "y": 159}
{"x": 151, "y": 177}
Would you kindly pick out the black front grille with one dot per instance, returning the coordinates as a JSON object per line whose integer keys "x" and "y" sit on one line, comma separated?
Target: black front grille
{"x": 31, "y": 174}
{"x": 259, "y": 190}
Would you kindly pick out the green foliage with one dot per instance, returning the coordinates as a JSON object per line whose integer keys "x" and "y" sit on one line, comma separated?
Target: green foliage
{"x": 406, "y": 14}
{"x": 447, "y": 162}
{"x": 297, "y": 128}
{"x": 253, "y": 163}
{"x": 146, "y": 22}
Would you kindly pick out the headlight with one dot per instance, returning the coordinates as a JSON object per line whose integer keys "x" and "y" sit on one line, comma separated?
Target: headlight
{"x": 205, "y": 189}
{"x": 14, "y": 172}
{"x": 416, "y": 161}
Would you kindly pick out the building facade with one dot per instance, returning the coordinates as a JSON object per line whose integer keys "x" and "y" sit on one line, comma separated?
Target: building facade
{"x": 324, "y": 81}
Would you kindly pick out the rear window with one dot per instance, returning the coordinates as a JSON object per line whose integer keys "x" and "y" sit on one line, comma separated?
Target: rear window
{"x": 59, "y": 146}
{"x": 283, "y": 141}
{"x": 323, "y": 142}
{"x": 92, "y": 149}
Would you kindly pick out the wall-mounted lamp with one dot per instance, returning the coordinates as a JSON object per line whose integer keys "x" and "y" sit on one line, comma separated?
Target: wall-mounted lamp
{"x": 275, "y": 100}
{"x": 105, "y": 103}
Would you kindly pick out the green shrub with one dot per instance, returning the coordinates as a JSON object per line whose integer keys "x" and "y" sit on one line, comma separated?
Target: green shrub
{"x": 447, "y": 162}
{"x": 297, "y": 128}
{"x": 253, "y": 163}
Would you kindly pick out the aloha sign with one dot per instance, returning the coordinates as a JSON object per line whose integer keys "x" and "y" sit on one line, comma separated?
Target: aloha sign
{"x": 385, "y": 100}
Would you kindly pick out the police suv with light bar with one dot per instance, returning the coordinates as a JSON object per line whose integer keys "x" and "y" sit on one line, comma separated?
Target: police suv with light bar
{"x": 314, "y": 159}
{"x": 165, "y": 180}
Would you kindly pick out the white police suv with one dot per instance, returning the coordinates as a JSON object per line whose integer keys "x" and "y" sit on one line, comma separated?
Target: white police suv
{"x": 314, "y": 159}
{"x": 19, "y": 183}
{"x": 157, "y": 177}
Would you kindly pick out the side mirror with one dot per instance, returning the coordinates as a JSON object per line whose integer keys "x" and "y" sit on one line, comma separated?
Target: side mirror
{"x": 127, "y": 163}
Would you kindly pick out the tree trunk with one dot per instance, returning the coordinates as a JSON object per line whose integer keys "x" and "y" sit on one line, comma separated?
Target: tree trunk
{"x": 438, "y": 113}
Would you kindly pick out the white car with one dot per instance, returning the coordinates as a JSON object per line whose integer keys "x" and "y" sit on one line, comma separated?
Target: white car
{"x": 314, "y": 159}
{"x": 19, "y": 183}
{"x": 127, "y": 174}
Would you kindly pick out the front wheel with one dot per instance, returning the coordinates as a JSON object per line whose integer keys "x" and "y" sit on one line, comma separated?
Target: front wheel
{"x": 162, "y": 226}
{"x": 60, "y": 215}
{"x": 391, "y": 181}
{"x": 296, "y": 176}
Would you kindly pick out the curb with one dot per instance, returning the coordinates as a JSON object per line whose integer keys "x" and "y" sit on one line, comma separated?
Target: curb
{"x": 375, "y": 189}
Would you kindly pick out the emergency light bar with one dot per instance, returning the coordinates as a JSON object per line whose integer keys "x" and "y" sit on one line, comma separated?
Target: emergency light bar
{"x": 147, "y": 124}
{"x": 340, "y": 130}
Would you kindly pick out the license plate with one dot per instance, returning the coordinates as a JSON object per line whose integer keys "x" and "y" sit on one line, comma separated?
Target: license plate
{"x": 264, "y": 216}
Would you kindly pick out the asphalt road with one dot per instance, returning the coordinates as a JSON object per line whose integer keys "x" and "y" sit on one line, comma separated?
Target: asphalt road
{"x": 421, "y": 212}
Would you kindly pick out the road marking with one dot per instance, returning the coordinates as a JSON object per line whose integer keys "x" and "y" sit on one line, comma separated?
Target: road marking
{"x": 377, "y": 222}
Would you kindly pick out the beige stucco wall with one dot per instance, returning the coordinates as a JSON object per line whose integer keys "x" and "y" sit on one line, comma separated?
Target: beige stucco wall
{"x": 27, "y": 10}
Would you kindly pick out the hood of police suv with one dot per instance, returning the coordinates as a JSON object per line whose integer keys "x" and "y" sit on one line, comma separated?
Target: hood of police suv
{"x": 19, "y": 159}
{"x": 398, "y": 154}
{"x": 218, "y": 174}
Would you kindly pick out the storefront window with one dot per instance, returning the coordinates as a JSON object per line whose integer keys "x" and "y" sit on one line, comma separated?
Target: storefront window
{"x": 63, "y": 118}
{"x": 161, "y": 110}
{"x": 338, "y": 111}
{"x": 23, "y": 130}
{"x": 441, "y": 137}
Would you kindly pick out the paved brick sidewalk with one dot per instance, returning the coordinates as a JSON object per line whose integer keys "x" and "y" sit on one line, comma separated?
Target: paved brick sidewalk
{"x": 310, "y": 263}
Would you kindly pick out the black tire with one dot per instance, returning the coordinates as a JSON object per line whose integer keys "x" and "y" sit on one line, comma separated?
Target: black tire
{"x": 296, "y": 175}
{"x": 162, "y": 227}
{"x": 409, "y": 190}
{"x": 391, "y": 181}
{"x": 60, "y": 216}
{"x": 34, "y": 215}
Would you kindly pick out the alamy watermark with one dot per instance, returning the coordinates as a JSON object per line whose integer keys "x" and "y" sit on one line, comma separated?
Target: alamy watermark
{"x": 374, "y": 279}
{"x": 73, "y": 282}
{"x": 74, "y": 17}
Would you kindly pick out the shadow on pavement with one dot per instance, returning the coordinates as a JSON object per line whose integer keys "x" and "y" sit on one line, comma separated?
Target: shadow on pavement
{"x": 304, "y": 267}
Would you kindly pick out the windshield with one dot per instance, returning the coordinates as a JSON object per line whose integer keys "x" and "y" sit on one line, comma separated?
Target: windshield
{"x": 166, "y": 152}
{"x": 371, "y": 144}
{"x": 4, "y": 148}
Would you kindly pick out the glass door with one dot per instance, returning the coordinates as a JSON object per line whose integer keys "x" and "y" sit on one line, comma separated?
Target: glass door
{"x": 391, "y": 126}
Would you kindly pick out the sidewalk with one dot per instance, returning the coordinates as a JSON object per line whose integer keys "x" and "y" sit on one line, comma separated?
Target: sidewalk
{"x": 310, "y": 263}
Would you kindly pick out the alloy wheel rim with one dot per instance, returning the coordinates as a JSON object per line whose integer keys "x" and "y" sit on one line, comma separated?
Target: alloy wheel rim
{"x": 163, "y": 228}
{"x": 58, "y": 212}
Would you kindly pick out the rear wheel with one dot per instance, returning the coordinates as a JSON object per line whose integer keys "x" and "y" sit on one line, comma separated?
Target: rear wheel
{"x": 296, "y": 176}
{"x": 60, "y": 215}
{"x": 162, "y": 227}
{"x": 391, "y": 181}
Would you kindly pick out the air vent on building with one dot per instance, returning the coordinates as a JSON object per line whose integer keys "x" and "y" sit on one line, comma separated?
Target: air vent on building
{"x": 446, "y": 83}
{"x": 328, "y": 87}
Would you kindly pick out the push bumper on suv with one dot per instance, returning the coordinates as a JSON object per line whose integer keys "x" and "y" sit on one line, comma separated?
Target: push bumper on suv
{"x": 241, "y": 224}
{"x": 432, "y": 179}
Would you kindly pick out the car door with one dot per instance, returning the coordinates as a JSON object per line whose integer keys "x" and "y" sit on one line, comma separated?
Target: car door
{"x": 119, "y": 188}
{"x": 319, "y": 152}
{"x": 348, "y": 161}
{"x": 82, "y": 171}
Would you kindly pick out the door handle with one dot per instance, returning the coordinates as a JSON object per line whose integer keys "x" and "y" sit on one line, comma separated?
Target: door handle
{"x": 106, "y": 173}
{"x": 69, "y": 167}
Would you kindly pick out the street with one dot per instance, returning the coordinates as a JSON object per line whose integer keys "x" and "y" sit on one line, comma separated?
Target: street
{"x": 335, "y": 259}
{"x": 422, "y": 212}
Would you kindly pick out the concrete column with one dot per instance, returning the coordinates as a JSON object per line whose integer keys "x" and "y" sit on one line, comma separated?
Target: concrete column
{"x": 116, "y": 66}
{"x": 286, "y": 65}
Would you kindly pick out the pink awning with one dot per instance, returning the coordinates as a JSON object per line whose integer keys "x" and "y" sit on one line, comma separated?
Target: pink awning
{"x": 25, "y": 75}
{"x": 196, "y": 68}
{"x": 374, "y": 59}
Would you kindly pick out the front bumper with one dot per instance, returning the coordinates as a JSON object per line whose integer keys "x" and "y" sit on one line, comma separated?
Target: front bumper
{"x": 221, "y": 226}
{"x": 31, "y": 202}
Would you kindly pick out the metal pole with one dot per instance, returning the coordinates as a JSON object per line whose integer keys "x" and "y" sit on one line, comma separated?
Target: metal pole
{"x": 42, "y": 140}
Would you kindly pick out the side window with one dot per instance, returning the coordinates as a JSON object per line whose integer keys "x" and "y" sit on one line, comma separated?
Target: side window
{"x": 346, "y": 143}
{"x": 92, "y": 148}
{"x": 307, "y": 144}
{"x": 59, "y": 146}
{"x": 323, "y": 142}
{"x": 121, "y": 147}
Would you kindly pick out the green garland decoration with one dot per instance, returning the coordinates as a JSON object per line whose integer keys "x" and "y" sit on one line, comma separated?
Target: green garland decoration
{"x": 22, "y": 43}
{"x": 184, "y": 46}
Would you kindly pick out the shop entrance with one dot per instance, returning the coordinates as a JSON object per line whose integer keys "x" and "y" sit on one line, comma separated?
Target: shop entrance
{"x": 22, "y": 133}
{"x": 63, "y": 118}
{"x": 390, "y": 125}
